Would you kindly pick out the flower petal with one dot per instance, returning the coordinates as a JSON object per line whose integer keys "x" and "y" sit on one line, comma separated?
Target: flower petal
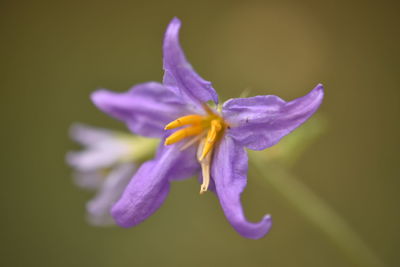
{"x": 146, "y": 108}
{"x": 113, "y": 186}
{"x": 261, "y": 121}
{"x": 229, "y": 171}
{"x": 179, "y": 74}
{"x": 101, "y": 155}
{"x": 186, "y": 164}
{"x": 149, "y": 187}
{"x": 89, "y": 135}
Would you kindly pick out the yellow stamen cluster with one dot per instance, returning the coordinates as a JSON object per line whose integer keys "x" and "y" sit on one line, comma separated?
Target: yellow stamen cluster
{"x": 205, "y": 128}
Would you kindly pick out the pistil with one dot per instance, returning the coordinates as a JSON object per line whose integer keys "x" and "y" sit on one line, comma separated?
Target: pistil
{"x": 205, "y": 164}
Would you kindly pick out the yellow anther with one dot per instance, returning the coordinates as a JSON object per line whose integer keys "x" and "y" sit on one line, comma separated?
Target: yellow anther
{"x": 216, "y": 127}
{"x": 183, "y": 133}
{"x": 185, "y": 120}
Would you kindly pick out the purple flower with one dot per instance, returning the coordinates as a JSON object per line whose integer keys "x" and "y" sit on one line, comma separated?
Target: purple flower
{"x": 198, "y": 139}
{"x": 106, "y": 165}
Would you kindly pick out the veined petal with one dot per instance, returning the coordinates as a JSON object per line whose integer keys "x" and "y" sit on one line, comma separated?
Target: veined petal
{"x": 110, "y": 191}
{"x": 261, "y": 121}
{"x": 149, "y": 187}
{"x": 146, "y": 108}
{"x": 229, "y": 171}
{"x": 179, "y": 74}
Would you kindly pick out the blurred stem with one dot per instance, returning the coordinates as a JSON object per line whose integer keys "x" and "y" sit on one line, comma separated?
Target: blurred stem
{"x": 316, "y": 211}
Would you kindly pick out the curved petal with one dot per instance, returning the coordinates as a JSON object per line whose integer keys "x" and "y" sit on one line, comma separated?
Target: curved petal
{"x": 111, "y": 189}
{"x": 229, "y": 171}
{"x": 261, "y": 121}
{"x": 146, "y": 108}
{"x": 149, "y": 187}
{"x": 179, "y": 74}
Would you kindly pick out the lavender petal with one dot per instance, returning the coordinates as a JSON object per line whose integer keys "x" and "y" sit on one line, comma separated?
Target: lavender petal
{"x": 149, "y": 187}
{"x": 261, "y": 121}
{"x": 89, "y": 135}
{"x": 146, "y": 108}
{"x": 179, "y": 74}
{"x": 110, "y": 191}
{"x": 229, "y": 171}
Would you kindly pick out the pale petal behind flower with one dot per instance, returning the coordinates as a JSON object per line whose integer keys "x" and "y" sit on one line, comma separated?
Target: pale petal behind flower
{"x": 103, "y": 148}
{"x": 106, "y": 165}
{"x": 111, "y": 189}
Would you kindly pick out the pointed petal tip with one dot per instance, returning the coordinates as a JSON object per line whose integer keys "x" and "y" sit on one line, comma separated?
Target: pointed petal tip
{"x": 267, "y": 224}
{"x": 112, "y": 103}
{"x": 173, "y": 28}
{"x": 267, "y": 220}
{"x": 178, "y": 71}
{"x": 319, "y": 87}
{"x": 258, "y": 230}
{"x": 175, "y": 21}
{"x": 99, "y": 98}
{"x": 318, "y": 93}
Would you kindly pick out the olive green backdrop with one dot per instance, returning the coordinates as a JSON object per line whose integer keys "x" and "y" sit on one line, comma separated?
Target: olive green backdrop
{"x": 53, "y": 54}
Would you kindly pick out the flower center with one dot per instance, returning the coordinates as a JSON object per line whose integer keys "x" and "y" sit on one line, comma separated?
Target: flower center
{"x": 207, "y": 129}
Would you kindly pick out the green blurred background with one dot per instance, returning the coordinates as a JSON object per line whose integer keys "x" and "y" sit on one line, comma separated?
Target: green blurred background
{"x": 53, "y": 54}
